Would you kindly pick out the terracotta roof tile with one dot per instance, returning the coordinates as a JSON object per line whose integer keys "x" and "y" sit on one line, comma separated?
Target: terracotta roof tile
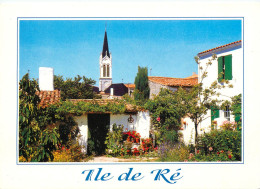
{"x": 174, "y": 82}
{"x": 48, "y": 97}
{"x": 130, "y": 85}
{"x": 216, "y": 48}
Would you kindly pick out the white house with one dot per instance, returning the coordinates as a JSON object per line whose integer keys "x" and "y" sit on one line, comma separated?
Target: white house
{"x": 228, "y": 66}
{"x": 137, "y": 121}
{"x": 132, "y": 119}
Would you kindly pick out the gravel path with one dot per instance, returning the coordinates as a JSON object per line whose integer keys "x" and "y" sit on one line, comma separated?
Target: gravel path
{"x": 113, "y": 159}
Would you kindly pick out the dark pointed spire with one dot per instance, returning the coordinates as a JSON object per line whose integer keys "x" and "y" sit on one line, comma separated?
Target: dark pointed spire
{"x": 105, "y": 50}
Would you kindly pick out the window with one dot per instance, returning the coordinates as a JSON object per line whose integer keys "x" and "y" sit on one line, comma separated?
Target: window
{"x": 108, "y": 70}
{"x": 104, "y": 70}
{"x": 225, "y": 68}
{"x": 227, "y": 113}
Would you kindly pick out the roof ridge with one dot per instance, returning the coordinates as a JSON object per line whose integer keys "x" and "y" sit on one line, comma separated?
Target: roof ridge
{"x": 220, "y": 47}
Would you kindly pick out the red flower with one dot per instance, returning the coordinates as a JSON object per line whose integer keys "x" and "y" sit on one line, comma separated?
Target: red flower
{"x": 222, "y": 151}
{"x": 229, "y": 156}
{"x": 198, "y": 151}
{"x": 158, "y": 119}
{"x": 218, "y": 153}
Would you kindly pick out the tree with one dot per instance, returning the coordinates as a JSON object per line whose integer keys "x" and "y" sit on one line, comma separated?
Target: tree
{"x": 142, "y": 90}
{"x": 200, "y": 99}
{"x": 166, "y": 111}
{"x": 36, "y": 141}
{"x": 75, "y": 88}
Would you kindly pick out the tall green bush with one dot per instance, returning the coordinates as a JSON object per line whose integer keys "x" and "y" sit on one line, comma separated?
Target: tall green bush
{"x": 142, "y": 90}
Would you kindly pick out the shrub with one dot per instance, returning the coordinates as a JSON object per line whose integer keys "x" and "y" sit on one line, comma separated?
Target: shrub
{"x": 171, "y": 136}
{"x": 114, "y": 140}
{"x": 218, "y": 141}
{"x": 227, "y": 125}
{"x": 173, "y": 152}
{"x": 72, "y": 154}
{"x": 213, "y": 156}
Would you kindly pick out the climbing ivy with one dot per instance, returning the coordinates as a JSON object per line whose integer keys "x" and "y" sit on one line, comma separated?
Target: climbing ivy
{"x": 81, "y": 107}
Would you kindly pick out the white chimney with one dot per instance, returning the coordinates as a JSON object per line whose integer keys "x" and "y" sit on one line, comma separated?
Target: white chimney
{"x": 111, "y": 92}
{"x": 46, "y": 79}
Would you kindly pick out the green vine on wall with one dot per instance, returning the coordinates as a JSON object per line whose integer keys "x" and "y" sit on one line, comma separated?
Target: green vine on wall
{"x": 81, "y": 107}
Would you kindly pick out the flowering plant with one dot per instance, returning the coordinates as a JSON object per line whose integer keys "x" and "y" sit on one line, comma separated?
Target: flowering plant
{"x": 227, "y": 125}
{"x": 131, "y": 136}
{"x": 147, "y": 145}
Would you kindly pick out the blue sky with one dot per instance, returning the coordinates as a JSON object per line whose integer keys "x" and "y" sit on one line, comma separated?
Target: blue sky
{"x": 73, "y": 47}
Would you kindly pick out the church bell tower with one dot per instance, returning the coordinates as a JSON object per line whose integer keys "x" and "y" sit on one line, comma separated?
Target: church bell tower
{"x": 105, "y": 66}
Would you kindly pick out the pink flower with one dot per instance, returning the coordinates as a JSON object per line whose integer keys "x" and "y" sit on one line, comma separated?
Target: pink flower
{"x": 158, "y": 119}
{"x": 185, "y": 160}
{"x": 210, "y": 148}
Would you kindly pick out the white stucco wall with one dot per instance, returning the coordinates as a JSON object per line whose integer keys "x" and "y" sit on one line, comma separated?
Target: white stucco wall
{"x": 226, "y": 93}
{"x": 121, "y": 119}
{"x": 141, "y": 124}
{"x": 83, "y": 131}
{"x": 188, "y": 131}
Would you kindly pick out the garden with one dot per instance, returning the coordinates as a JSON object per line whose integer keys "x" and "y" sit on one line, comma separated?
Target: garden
{"x": 50, "y": 133}
{"x": 218, "y": 146}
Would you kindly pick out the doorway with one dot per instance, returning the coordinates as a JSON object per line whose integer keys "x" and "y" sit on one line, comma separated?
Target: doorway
{"x": 98, "y": 125}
